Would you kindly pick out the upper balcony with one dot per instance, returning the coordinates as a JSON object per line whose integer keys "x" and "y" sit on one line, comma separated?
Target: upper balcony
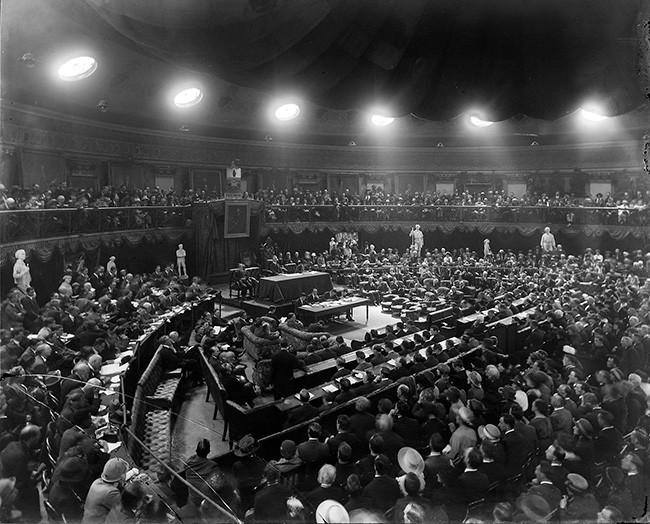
{"x": 31, "y": 224}
{"x": 618, "y": 222}
{"x": 434, "y": 213}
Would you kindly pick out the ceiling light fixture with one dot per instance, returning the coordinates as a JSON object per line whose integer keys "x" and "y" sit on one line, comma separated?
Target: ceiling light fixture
{"x": 381, "y": 120}
{"x": 77, "y": 68}
{"x": 592, "y": 116}
{"x": 188, "y": 97}
{"x": 479, "y": 122}
{"x": 287, "y": 112}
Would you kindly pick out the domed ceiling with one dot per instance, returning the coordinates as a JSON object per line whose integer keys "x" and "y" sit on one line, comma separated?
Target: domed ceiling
{"x": 526, "y": 64}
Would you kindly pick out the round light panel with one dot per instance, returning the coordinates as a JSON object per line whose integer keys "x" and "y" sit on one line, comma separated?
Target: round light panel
{"x": 77, "y": 68}
{"x": 188, "y": 97}
{"x": 287, "y": 112}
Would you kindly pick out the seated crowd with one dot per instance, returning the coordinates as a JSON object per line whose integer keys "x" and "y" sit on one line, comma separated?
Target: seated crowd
{"x": 557, "y": 428}
{"x": 50, "y": 360}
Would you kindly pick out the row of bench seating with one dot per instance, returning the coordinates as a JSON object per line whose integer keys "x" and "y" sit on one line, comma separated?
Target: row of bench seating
{"x": 154, "y": 404}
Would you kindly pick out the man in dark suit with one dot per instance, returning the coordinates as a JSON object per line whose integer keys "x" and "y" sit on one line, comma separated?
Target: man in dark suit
{"x": 543, "y": 487}
{"x": 362, "y": 422}
{"x": 18, "y": 460}
{"x": 610, "y": 441}
{"x": 97, "y": 281}
{"x": 513, "y": 445}
{"x": 305, "y": 411}
{"x": 70, "y": 320}
{"x": 383, "y": 490}
{"x": 270, "y": 503}
{"x": 392, "y": 441}
{"x": 494, "y": 471}
{"x": 32, "y": 316}
{"x": 343, "y": 434}
{"x": 346, "y": 391}
{"x": 341, "y": 370}
{"x": 474, "y": 483}
{"x": 561, "y": 418}
{"x": 314, "y": 454}
{"x": 634, "y": 483}
{"x": 282, "y": 365}
{"x": 524, "y": 429}
{"x": 300, "y": 301}
{"x": 124, "y": 306}
{"x": 407, "y": 427}
{"x": 313, "y": 297}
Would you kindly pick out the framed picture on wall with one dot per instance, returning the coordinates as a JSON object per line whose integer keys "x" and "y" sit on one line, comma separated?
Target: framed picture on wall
{"x": 237, "y": 222}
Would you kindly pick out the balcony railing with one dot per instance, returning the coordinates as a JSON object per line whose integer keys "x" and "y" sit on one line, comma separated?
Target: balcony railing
{"x": 515, "y": 214}
{"x": 29, "y": 224}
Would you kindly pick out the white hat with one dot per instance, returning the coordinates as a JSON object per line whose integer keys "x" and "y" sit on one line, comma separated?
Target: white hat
{"x": 569, "y": 350}
{"x": 410, "y": 460}
{"x": 331, "y": 512}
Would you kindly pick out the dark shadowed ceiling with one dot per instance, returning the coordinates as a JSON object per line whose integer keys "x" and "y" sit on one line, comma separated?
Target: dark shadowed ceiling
{"x": 526, "y": 63}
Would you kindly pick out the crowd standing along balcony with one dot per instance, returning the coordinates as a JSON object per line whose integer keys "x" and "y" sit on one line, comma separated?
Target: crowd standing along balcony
{"x": 30, "y": 224}
{"x": 444, "y": 213}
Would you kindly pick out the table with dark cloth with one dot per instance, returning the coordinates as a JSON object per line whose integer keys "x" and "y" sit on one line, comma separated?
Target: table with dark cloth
{"x": 289, "y": 287}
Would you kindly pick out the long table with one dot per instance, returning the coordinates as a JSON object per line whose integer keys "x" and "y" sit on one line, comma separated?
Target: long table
{"x": 330, "y": 308}
{"x": 289, "y": 287}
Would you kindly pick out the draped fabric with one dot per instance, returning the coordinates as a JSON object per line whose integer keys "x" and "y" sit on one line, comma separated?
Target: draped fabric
{"x": 616, "y": 232}
{"x": 44, "y": 250}
{"x": 432, "y": 59}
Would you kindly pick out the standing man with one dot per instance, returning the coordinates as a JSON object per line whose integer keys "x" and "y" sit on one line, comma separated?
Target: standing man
{"x": 417, "y": 239}
{"x": 180, "y": 261}
{"x": 548, "y": 241}
{"x": 282, "y": 366}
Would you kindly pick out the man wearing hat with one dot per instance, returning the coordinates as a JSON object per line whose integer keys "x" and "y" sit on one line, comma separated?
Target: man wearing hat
{"x": 105, "y": 492}
{"x": 70, "y": 488}
{"x": 248, "y": 469}
{"x": 289, "y": 461}
{"x": 578, "y": 504}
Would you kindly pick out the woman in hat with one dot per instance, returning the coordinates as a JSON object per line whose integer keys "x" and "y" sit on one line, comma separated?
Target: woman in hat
{"x": 105, "y": 492}
{"x": 475, "y": 389}
{"x": 581, "y": 459}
